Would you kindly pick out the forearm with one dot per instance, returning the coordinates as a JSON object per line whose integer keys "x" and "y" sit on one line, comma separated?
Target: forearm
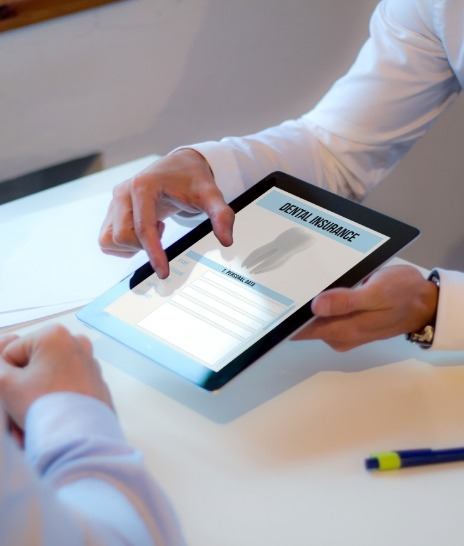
{"x": 294, "y": 147}
{"x": 399, "y": 84}
{"x": 92, "y": 486}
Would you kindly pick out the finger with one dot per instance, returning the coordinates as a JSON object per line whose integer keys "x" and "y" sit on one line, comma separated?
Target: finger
{"x": 119, "y": 253}
{"x": 349, "y": 331}
{"x": 85, "y": 344}
{"x": 108, "y": 246}
{"x": 105, "y": 237}
{"x": 307, "y": 332}
{"x": 18, "y": 351}
{"x": 221, "y": 216}
{"x": 5, "y": 340}
{"x": 124, "y": 236}
{"x": 343, "y": 301}
{"x": 146, "y": 225}
{"x": 5, "y": 367}
{"x": 339, "y": 334}
{"x": 117, "y": 231}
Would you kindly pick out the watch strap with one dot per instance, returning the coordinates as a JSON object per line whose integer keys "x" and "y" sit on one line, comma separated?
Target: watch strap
{"x": 424, "y": 337}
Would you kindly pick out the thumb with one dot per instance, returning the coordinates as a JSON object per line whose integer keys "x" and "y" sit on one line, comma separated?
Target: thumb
{"x": 344, "y": 301}
{"x": 19, "y": 350}
{"x": 6, "y": 371}
{"x": 5, "y": 340}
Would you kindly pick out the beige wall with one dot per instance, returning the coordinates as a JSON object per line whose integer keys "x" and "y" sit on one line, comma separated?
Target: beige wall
{"x": 143, "y": 76}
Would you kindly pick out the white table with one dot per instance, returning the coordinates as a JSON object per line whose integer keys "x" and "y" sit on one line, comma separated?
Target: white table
{"x": 276, "y": 457}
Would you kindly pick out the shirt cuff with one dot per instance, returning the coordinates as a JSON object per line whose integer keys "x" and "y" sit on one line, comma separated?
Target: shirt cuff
{"x": 449, "y": 333}
{"x": 60, "y": 419}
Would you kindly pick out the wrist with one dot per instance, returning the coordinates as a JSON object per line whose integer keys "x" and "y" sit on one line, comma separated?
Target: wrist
{"x": 192, "y": 155}
{"x": 430, "y": 299}
{"x": 63, "y": 418}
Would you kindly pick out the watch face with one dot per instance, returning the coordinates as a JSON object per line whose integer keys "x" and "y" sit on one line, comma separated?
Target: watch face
{"x": 424, "y": 338}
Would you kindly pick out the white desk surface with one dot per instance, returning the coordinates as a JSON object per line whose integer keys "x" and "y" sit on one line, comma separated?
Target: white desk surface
{"x": 276, "y": 457}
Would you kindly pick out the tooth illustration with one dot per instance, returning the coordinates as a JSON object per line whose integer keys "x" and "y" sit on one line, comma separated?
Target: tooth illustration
{"x": 275, "y": 253}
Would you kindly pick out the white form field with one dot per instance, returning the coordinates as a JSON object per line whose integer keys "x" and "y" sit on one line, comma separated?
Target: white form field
{"x": 212, "y": 316}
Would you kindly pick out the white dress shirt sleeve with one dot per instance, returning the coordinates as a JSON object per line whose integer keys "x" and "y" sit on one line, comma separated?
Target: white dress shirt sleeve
{"x": 78, "y": 482}
{"x": 398, "y": 85}
{"x": 401, "y": 81}
{"x": 449, "y": 330}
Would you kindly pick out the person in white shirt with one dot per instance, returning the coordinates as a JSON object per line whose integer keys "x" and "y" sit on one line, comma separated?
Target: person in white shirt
{"x": 408, "y": 72}
{"x": 77, "y": 482}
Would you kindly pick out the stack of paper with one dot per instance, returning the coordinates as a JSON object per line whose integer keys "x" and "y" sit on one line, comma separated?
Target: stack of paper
{"x": 51, "y": 261}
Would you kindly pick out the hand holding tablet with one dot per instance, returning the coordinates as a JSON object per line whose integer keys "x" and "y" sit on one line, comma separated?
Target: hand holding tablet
{"x": 392, "y": 301}
{"x": 222, "y": 308}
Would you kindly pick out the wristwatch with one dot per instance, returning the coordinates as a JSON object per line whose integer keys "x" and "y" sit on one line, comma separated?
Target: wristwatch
{"x": 424, "y": 337}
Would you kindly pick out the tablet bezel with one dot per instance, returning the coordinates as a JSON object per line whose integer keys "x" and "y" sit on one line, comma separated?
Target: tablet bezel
{"x": 400, "y": 234}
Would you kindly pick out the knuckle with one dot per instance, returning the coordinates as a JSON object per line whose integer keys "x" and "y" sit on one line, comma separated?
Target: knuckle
{"x": 341, "y": 347}
{"x": 141, "y": 228}
{"x": 225, "y": 213}
{"x": 57, "y": 333}
{"x": 105, "y": 238}
{"x": 119, "y": 191}
{"x": 194, "y": 195}
{"x": 85, "y": 343}
{"x": 123, "y": 236}
{"x": 138, "y": 184}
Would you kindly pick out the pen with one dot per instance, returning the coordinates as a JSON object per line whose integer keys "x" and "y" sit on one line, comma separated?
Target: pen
{"x": 393, "y": 460}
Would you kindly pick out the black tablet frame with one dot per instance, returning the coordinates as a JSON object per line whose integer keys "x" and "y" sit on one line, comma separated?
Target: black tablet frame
{"x": 400, "y": 234}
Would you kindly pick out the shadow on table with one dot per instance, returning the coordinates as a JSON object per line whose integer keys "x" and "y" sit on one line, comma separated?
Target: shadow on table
{"x": 287, "y": 365}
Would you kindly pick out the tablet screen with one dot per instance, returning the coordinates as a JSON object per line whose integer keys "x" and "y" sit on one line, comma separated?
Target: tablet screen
{"x": 219, "y": 301}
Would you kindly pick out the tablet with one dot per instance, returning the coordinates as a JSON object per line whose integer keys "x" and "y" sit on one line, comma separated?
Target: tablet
{"x": 221, "y": 308}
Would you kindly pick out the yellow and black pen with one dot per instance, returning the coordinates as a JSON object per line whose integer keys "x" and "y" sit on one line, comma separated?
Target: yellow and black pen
{"x": 393, "y": 460}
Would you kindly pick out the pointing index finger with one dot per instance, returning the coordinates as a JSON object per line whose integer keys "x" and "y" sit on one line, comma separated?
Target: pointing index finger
{"x": 221, "y": 216}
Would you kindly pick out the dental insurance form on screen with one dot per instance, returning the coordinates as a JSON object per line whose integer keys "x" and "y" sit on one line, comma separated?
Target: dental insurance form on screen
{"x": 218, "y": 301}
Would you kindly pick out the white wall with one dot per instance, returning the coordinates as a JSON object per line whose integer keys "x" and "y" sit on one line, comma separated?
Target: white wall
{"x": 143, "y": 76}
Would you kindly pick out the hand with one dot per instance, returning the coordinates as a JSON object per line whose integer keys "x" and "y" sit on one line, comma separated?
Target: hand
{"x": 393, "y": 301}
{"x": 181, "y": 181}
{"x": 51, "y": 360}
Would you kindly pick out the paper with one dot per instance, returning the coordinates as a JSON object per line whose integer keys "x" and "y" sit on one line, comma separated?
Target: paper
{"x": 11, "y": 318}
{"x": 51, "y": 257}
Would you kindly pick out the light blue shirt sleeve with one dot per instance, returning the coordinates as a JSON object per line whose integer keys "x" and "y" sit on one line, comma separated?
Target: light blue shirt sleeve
{"x": 78, "y": 481}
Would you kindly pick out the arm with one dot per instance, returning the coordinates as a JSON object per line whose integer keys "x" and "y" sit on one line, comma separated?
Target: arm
{"x": 83, "y": 483}
{"x": 400, "y": 82}
{"x": 398, "y": 85}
